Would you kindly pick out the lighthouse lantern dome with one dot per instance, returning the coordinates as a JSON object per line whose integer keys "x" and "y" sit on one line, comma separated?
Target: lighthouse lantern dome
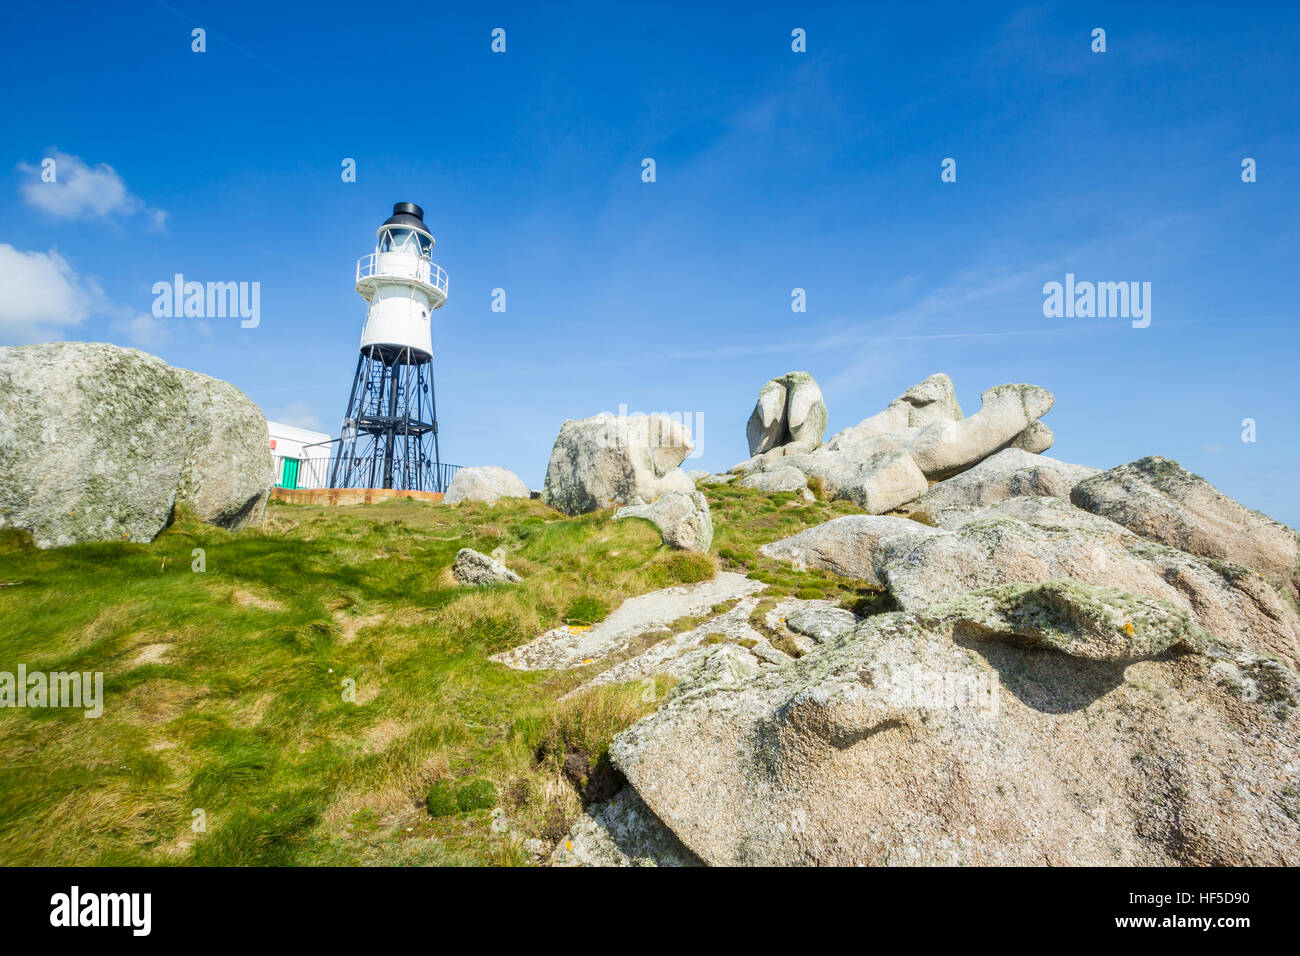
{"x": 405, "y": 232}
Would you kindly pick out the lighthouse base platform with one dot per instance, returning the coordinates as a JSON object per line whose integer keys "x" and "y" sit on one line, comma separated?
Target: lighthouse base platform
{"x": 350, "y": 496}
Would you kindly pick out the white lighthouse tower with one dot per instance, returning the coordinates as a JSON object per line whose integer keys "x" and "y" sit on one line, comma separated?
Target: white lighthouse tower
{"x": 390, "y": 430}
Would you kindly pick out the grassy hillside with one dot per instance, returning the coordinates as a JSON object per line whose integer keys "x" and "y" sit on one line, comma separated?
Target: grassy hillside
{"x": 225, "y": 688}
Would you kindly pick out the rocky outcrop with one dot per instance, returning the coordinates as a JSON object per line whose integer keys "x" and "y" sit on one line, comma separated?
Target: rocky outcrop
{"x": 474, "y": 568}
{"x": 101, "y": 443}
{"x": 789, "y": 409}
{"x": 1035, "y": 724}
{"x": 610, "y": 460}
{"x": 485, "y": 483}
{"x": 1033, "y": 540}
{"x": 682, "y": 518}
{"x": 1159, "y": 499}
{"x": 1086, "y": 668}
{"x": 945, "y": 448}
{"x": 930, "y": 402}
{"x": 1008, "y": 474}
{"x": 888, "y": 460}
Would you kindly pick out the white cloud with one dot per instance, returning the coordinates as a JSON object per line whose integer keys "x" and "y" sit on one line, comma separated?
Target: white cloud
{"x": 41, "y": 295}
{"x": 81, "y": 191}
{"x": 300, "y": 414}
{"x": 143, "y": 329}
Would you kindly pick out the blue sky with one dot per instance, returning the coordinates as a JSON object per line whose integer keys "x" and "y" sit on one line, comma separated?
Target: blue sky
{"x": 775, "y": 170}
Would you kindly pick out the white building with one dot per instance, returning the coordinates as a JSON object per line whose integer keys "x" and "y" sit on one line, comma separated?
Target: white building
{"x": 301, "y": 456}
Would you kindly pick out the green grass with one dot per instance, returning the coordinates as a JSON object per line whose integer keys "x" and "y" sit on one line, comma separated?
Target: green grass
{"x": 322, "y": 693}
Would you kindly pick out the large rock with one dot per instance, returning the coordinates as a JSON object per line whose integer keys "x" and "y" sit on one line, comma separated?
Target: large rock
{"x": 474, "y": 568}
{"x": 777, "y": 479}
{"x": 789, "y": 409}
{"x": 945, "y": 448}
{"x": 486, "y": 483}
{"x": 854, "y": 546}
{"x": 682, "y": 518}
{"x": 941, "y": 444}
{"x": 228, "y": 471}
{"x": 929, "y": 402}
{"x": 100, "y": 443}
{"x": 879, "y": 482}
{"x": 1008, "y": 474}
{"x": 1035, "y": 725}
{"x": 612, "y": 460}
{"x": 1160, "y": 500}
{"x": 1032, "y": 540}
{"x": 766, "y": 426}
{"x": 820, "y": 620}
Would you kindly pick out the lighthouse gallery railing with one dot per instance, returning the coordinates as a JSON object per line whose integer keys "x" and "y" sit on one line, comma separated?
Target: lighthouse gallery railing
{"x": 403, "y": 266}
{"x": 363, "y": 471}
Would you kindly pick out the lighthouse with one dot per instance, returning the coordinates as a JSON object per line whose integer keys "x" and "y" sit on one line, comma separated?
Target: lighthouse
{"x": 389, "y": 436}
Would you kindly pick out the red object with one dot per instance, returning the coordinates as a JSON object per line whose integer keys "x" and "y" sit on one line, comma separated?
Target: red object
{"x": 272, "y": 442}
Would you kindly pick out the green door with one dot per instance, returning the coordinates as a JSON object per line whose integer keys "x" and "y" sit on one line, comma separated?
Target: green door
{"x": 289, "y": 476}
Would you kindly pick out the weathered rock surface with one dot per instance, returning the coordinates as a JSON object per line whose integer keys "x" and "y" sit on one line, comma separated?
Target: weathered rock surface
{"x": 1032, "y": 540}
{"x": 932, "y": 401}
{"x": 679, "y": 655}
{"x": 1035, "y": 439}
{"x": 1159, "y": 499}
{"x": 853, "y": 546}
{"x": 945, "y": 448}
{"x": 778, "y": 479}
{"x": 766, "y": 426}
{"x": 473, "y": 568}
{"x": 1037, "y": 724}
{"x": 681, "y": 517}
{"x": 717, "y": 665}
{"x": 787, "y": 478}
{"x": 612, "y": 460}
{"x": 933, "y": 433}
{"x": 879, "y": 482}
{"x": 621, "y": 832}
{"x": 100, "y": 443}
{"x": 789, "y": 409}
{"x": 1008, "y": 474}
{"x": 820, "y": 620}
{"x": 227, "y": 475}
{"x": 646, "y": 614}
{"x": 486, "y": 483}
